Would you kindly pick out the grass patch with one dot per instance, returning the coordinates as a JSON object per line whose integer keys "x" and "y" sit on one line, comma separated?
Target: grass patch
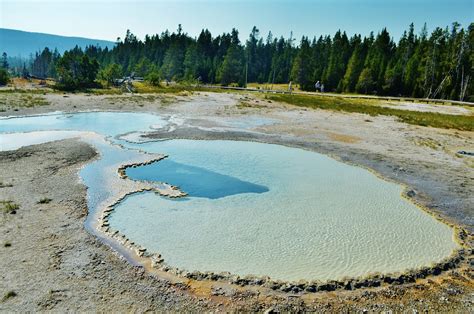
{"x": 135, "y": 98}
{"x": 279, "y": 87}
{"x": 437, "y": 120}
{"x": 144, "y": 88}
{"x": 33, "y": 100}
{"x": 244, "y": 105}
{"x": 178, "y": 89}
{"x": 21, "y": 100}
{"x": 5, "y": 185}
{"x": 9, "y": 207}
{"x": 104, "y": 91}
{"x": 9, "y": 295}
{"x": 35, "y": 91}
{"x": 44, "y": 200}
{"x": 428, "y": 142}
{"x": 140, "y": 100}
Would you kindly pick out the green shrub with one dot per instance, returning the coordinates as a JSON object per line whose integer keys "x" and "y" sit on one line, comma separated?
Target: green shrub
{"x": 44, "y": 200}
{"x": 9, "y": 295}
{"x": 9, "y": 207}
{"x": 5, "y": 185}
{"x": 153, "y": 78}
{"x": 110, "y": 73}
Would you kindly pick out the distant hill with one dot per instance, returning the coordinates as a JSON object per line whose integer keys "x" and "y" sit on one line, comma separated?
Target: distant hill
{"x": 21, "y": 44}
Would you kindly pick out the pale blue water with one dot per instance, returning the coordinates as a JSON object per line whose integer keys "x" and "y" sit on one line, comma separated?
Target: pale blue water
{"x": 109, "y": 124}
{"x": 94, "y": 175}
{"x": 319, "y": 219}
{"x": 256, "y": 208}
{"x": 105, "y": 123}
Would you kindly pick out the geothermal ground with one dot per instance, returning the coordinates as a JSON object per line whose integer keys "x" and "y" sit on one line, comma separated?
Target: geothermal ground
{"x": 50, "y": 262}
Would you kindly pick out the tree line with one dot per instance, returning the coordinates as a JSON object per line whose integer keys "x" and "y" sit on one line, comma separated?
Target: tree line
{"x": 436, "y": 65}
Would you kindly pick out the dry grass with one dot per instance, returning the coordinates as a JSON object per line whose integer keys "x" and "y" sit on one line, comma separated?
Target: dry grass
{"x": 144, "y": 88}
{"x": 437, "y": 120}
{"x": 279, "y": 87}
{"x": 344, "y": 138}
{"x": 9, "y": 207}
{"x": 428, "y": 142}
{"x": 21, "y": 99}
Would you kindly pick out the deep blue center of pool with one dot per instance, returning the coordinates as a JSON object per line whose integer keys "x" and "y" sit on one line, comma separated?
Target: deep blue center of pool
{"x": 195, "y": 181}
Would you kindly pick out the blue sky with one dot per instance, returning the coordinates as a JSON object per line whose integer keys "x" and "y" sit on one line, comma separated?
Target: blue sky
{"x": 109, "y": 19}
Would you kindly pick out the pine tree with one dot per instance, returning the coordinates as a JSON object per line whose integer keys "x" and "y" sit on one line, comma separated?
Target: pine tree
{"x": 301, "y": 71}
{"x": 378, "y": 57}
{"x": 172, "y": 68}
{"x": 339, "y": 56}
{"x": 232, "y": 68}
{"x": 4, "y": 76}
{"x": 76, "y": 70}
{"x": 365, "y": 83}
{"x": 251, "y": 55}
{"x": 191, "y": 64}
{"x": 355, "y": 65}
{"x": 321, "y": 52}
{"x": 205, "y": 51}
{"x": 4, "y": 63}
{"x": 143, "y": 67}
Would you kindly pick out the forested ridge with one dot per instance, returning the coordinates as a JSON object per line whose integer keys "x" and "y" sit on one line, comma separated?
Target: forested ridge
{"x": 439, "y": 64}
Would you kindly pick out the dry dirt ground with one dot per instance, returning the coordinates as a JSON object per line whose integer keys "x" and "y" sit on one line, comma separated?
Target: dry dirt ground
{"x": 49, "y": 262}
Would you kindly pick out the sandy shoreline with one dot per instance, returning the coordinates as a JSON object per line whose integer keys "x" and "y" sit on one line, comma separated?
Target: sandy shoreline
{"x": 442, "y": 190}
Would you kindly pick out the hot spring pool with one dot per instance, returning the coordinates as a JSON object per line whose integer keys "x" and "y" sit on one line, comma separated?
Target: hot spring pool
{"x": 299, "y": 214}
{"x": 255, "y": 208}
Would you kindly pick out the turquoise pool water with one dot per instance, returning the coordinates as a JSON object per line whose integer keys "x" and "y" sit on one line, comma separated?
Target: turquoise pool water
{"x": 319, "y": 218}
{"x": 105, "y": 123}
{"x": 255, "y": 208}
